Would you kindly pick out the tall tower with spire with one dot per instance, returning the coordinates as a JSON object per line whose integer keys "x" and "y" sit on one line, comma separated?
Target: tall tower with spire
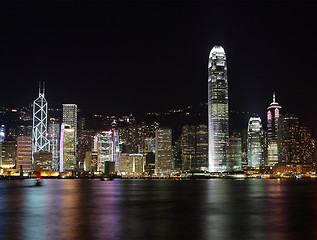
{"x": 218, "y": 111}
{"x": 40, "y": 142}
{"x": 273, "y": 115}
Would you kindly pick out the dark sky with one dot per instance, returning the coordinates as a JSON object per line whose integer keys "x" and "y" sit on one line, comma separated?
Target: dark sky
{"x": 126, "y": 56}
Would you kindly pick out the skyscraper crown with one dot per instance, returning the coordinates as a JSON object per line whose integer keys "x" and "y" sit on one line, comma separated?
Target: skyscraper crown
{"x": 217, "y": 50}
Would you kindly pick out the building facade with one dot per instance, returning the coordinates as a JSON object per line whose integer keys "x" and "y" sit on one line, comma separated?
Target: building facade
{"x": 235, "y": 151}
{"x": 218, "y": 111}
{"x": 24, "y": 153}
{"x": 201, "y": 161}
{"x": 255, "y": 142}
{"x": 194, "y": 148}
{"x": 54, "y": 138}
{"x": 307, "y": 145}
{"x": 273, "y": 114}
{"x": 188, "y": 147}
{"x": 67, "y": 148}
{"x": 288, "y": 139}
{"x": 272, "y": 153}
{"x": 163, "y": 151}
{"x": 70, "y": 118}
{"x": 39, "y": 130}
{"x": 107, "y": 147}
{"x": 8, "y": 153}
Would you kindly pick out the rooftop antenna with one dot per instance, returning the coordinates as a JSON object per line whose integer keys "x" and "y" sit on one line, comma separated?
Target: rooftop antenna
{"x": 41, "y": 89}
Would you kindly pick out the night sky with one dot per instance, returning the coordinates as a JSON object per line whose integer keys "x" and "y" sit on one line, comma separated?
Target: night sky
{"x": 133, "y": 57}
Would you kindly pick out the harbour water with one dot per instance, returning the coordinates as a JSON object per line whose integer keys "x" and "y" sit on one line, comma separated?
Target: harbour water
{"x": 159, "y": 209}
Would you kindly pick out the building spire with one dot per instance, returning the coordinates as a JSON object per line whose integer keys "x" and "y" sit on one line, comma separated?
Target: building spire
{"x": 273, "y": 97}
{"x": 41, "y": 88}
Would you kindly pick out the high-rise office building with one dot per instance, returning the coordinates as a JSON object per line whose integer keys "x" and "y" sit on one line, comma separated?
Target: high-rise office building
{"x": 307, "y": 145}
{"x": 255, "y": 142}
{"x": 177, "y": 154}
{"x": 8, "y": 153}
{"x": 85, "y": 144}
{"x": 188, "y": 142}
{"x": 272, "y": 153}
{"x": 24, "y": 153}
{"x": 218, "y": 114}
{"x": 194, "y": 147}
{"x": 235, "y": 151}
{"x": 244, "y": 147}
{"x": 288, "y": 139}
{"x": 163, "y": 151}
{"x": 43, "y": 161}
{"x": 107, "y": 147}
{"x": 70, "y": 118}
{"x": 54, "y": 137}
{"x": 2, "y": 133}
{"x": 70, "y": 115}
{"x": 39, "y": 131}
{"x": 91, "y": 161}
{"x": 132, "y": 163}
{"x": 201, "y": 162}
{"x": 149, "y": 167}
{"x": 104, "y": 149}
{"x": 67, "y": 148}
{"x": 273, "y": 115}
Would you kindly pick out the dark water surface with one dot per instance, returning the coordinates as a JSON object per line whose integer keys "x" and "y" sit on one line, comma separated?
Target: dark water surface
{"x": 159, "y": 209}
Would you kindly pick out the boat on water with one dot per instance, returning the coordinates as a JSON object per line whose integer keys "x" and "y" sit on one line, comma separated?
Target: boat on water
{"x": 106, "y": 179}
{"x": 38, "y": 182}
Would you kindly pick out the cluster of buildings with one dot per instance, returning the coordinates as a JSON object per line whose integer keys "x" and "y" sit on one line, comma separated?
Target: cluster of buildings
{"x": 284, "y": 146}
{"x": 64, "y": 147}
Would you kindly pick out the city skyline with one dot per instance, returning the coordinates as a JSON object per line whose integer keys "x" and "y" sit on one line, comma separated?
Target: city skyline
{"x": 135, "y": 119}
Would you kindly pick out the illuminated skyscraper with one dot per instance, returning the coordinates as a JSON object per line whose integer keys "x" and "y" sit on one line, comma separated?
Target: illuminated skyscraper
{"x": 163, "y": 152}
{"x": 235, "y": 151}
{"x": 8, "y": 153}
{"x": 218, "y": 114}
{"x": 255, "y": 142}
{"x": 201, "y": 162}
{"x": 273, "y": 115}
{"x": 307, "y": 145}
{"x": 194, "y": 147}
{"x": 24, "y": 153}
{"x": 272, "y": 153}
{"x": 85, "y": 142}
{"x": 107, "y": 147}
{"x": 288, "y": 139}
{"x": 188, "y": 147}
{"x": 67, "y": 148}
{"x": 54, "y": 131}
{"x": 70, "y": 118}
{"x": 39, "y": 131}
{"x": 2, "y": 133}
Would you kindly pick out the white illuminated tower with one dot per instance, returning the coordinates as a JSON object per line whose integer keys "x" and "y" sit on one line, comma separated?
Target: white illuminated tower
{"x": 273, "y": 114}
{"x": 39, "y": 131}
{"x": 218, "y": 114}
{"x": 255, "y": 142}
